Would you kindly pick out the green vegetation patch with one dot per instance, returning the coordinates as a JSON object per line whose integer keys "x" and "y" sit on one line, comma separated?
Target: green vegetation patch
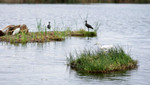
{"x": 44, "y": 36}
{"x": 32, "y": 37}
{"x": 84, "y": 33}
{"x": 100, "y": 61}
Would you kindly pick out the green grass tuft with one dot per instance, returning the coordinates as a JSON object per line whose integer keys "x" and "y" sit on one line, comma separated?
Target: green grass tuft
{"x": 84, "y": 33}
{"x": 99, "y": 61}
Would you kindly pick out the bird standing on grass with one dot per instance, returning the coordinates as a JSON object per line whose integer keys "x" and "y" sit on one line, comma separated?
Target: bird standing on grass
{"x": 87, "y": 25}
{"x": 105, "y": 47}
{"x": 48, "y": 26}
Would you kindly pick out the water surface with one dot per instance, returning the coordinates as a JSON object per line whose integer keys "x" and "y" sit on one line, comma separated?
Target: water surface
{"x": 127, "y": 25}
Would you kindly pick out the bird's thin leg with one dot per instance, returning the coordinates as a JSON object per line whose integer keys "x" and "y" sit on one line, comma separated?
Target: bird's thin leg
{"x": 88, "y": 29}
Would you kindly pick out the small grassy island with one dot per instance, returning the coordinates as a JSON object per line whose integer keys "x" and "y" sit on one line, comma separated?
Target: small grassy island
{"x": 100, "y": 61}
{"x": 45, "y": 36}
{"x": 83, "y": 33}
{"x": 21, "y": 34}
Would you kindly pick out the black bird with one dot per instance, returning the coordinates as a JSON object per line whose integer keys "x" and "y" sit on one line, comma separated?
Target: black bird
{"x": 87, "y": 25}
{"x": 48, "y": 26}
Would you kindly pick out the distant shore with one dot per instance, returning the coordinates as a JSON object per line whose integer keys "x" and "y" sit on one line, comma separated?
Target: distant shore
{"x": 74, "y": 1}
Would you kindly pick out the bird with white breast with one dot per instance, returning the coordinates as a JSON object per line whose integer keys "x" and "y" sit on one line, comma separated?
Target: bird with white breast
{"x": 105, "y": 47}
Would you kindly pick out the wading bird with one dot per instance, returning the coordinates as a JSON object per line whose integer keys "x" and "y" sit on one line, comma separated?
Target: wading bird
{"x": 48, "y": 26}
{"x": 105, "y": 47}
{"x": 87, "y": 25}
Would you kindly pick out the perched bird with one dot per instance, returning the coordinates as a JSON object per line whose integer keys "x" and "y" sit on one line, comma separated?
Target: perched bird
{"x": 104, "y": 47}
{"x": 48, "y": 26}
{"x": 87, "y": 25}
{"x": 16, "y": 31}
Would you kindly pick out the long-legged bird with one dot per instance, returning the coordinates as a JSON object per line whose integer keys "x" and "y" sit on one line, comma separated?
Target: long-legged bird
{"x": 88, "y": 26}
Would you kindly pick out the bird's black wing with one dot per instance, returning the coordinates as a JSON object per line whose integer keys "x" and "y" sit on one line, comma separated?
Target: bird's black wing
{"x": 89, "y": 26}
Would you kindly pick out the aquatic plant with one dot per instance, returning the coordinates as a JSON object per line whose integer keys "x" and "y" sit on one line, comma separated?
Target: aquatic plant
{"x": 39, "y": 25}
{"x": 12, "y": 40}
{"x": 84, "y": 33}
{"x": 45, "y": 36}
{"x": 45, "y": 30}
{"x": 23, "y": 37}
{"x": 99, "y": 61}
{"x": 17, "y": 36}
{"x": 42, "y": 35}
{"x": 97, "y": 26}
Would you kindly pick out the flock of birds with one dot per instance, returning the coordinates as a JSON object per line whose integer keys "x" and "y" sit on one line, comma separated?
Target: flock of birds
{"x": 104, "y": 47}
{"x": 49, "y": 27}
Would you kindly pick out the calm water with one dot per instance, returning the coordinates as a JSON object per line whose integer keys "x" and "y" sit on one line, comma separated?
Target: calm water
{"x": 45, "y": 63}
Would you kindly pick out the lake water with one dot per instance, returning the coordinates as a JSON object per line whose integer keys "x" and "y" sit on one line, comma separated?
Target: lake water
{"x": 127, "y": 25}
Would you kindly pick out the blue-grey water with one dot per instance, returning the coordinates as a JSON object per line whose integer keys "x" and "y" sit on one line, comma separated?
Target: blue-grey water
{"x": 127, "y": 25}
